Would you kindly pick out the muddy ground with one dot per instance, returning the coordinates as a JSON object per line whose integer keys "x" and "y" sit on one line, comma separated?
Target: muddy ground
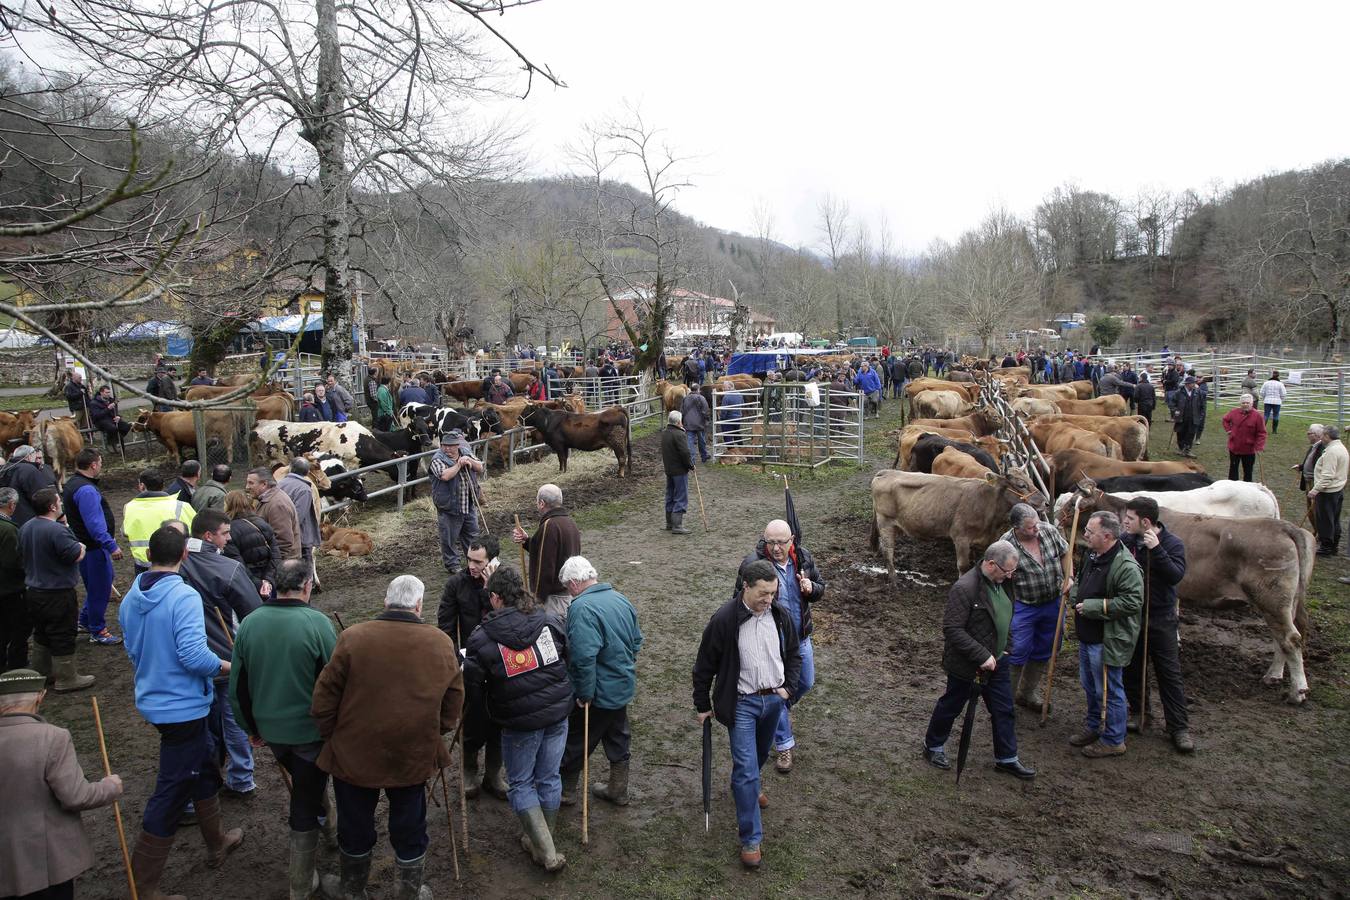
{"x": 1257, "y": 812}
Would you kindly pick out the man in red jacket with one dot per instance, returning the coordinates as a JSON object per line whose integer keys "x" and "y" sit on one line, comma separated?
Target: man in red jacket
{"x": 1246, "y": 437}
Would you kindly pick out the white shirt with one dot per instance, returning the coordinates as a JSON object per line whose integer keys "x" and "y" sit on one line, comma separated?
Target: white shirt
{"x": 761, "y": 661}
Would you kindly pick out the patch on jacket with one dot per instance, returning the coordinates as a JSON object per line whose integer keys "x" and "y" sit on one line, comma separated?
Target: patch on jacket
{"x": 547, "y": 649}
{"x": 518, "y": 662}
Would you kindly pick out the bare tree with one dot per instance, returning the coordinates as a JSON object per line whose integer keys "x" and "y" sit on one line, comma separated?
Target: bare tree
{"x": 989, "y": 280}
{"x": 834, "y": 232}
{"x": 361, "y": 96}
{"x": 630, "y": 241}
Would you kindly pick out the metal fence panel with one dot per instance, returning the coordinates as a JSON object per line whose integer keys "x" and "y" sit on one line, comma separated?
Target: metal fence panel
{"x": 788, "y": 424}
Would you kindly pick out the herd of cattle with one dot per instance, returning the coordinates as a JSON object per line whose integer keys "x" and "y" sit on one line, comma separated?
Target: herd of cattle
{"x": 954, "y": 479}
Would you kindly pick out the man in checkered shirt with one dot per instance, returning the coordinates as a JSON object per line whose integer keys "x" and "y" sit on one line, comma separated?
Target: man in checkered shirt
{"x": 454, "y": 491}
{"x": 1037, "y": 585}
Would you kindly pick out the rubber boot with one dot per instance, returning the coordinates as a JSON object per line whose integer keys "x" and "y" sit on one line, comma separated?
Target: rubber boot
{"x": 677, "y": 524}
{"x": 539, "y": 839}
{"x": 1014, "y": 679}
{"x": 569, "y": 788}
{"x": 493, "y": 782}
{"x": 147, "y": 865}
{"x": 667, "y": 521}
{"x": 351, "y": 883}
{"x": 67, "y": 679}
{"x": 41, "y": 661}
{"x": 219, "y": 842}
{"x": 472, "y": 779}
{"x": 304, "y": 880}
{"x": 616, "y": 789}
{"x": 409, "y": 885}
{"x": 1029, "y": 691}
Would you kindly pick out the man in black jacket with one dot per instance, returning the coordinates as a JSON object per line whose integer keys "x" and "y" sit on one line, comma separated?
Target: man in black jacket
{"x": 27, "y": 475}
{"x": 464, "y": 605}
{"x": 15, "y": 626}
{"x": 678, "y": 463}
{"x": 228, "y": 595}
{"x": 747, "y": 667}
{"x": 799, "y": 585}
{"x": 1188, "y": 411}
{"x": 1162, "y": 556}
{"x": 975, "y": 628}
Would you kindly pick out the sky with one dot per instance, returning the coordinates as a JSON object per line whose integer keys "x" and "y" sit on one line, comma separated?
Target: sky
{"x": 927, "y": 116}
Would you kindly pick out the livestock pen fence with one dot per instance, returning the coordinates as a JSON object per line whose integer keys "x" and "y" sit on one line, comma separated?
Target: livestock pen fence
{"x": 789, "y": 424}
{"x": 1315, "y": 391}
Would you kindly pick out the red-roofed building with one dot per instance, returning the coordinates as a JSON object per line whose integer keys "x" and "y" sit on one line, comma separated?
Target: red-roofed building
{"x": 696, "y": 315}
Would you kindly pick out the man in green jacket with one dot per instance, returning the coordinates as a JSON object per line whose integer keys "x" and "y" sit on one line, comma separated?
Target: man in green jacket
{"x": 1108, "y": 598}
{"x": 603, "y": 640}
{"x": 279, "y": 652}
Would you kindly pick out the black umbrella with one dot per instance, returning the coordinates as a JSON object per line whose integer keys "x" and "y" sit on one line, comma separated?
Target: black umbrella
{"x": 707, "y": 774}
{"x": 963, "y": 747}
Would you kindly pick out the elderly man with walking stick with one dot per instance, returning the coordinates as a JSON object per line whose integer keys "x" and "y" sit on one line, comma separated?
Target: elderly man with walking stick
{"x": 381, "y": 721}
{"x": 678, "y": 463}
{"x": 43, "y": 844}
{"x": 1163, "y": 558}
{"x": 1107, "y": 600}
{"x": 603, "y": 640}
{"x": 278, "y": 654}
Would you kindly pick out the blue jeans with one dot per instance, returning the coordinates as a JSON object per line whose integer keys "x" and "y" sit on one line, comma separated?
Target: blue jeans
{"x": 698, "y": 444}
{"x": 238, "y": 753}
{"x": 751, "y": 740}
{"x": 356, "y": 818}
{"x": 1033, "y": 632}
{"x": 997, "y": 693}
{"x": 1272, "y": 411}
{"x": 782, "y": 735}
{"x": 1090, "y": 673}
{"x": 456, "y": 533}
{"x": 97, "y": 571}
{"x": 532, "y": 760}
{"x": 677, "y": 493}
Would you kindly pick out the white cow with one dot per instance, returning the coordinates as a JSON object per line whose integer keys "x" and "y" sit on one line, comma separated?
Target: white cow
{"x": 1234, "y": 499}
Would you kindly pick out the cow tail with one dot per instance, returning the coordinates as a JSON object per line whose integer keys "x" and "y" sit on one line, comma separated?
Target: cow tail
{"x": 874, "y": 535}
{"x": 1306, "y": 557}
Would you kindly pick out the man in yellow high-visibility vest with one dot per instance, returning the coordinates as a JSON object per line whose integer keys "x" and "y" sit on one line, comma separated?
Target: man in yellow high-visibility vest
{"x": 148, "y": 510}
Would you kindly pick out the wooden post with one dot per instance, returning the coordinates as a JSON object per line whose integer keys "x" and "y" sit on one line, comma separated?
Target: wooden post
{"x": 117, "y": 810}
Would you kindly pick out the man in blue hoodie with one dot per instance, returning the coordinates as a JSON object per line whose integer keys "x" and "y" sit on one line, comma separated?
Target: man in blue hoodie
{"x": 165, "y": 634}
{"x": 868, "y": 382}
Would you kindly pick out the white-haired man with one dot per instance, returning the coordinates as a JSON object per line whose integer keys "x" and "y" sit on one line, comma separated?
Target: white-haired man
{"x": 1246, "y": 437}
{"x": 382, "y": 721}
{"x": 557, "y": 540}
{"x": 678, "y": 462}
{"x": 603, "y": 640}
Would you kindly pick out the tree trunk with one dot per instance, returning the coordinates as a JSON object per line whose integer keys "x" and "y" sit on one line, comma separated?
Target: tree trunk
{"x": 329, "y": 136}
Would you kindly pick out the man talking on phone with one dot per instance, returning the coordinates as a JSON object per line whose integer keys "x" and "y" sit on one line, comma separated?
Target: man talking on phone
{"x": 464, "y": 603}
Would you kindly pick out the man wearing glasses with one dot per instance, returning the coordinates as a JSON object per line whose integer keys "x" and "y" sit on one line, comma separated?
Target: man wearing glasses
{"x": 1107, "y": 600}
{"x": 975, "y": 630}
{"x": 799, "y": 585}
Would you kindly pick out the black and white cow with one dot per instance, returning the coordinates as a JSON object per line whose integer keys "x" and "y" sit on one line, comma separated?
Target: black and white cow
{"x": 349, "y": 488}
{"x": 475, "y": 423}
{"x": 351, "y": 442}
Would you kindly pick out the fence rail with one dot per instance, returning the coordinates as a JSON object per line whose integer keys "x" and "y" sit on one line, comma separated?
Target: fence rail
{"x": 794, "y": 424}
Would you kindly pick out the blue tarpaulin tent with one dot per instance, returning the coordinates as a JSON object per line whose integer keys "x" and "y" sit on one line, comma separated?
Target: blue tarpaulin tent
{"x": 764, "y": 361}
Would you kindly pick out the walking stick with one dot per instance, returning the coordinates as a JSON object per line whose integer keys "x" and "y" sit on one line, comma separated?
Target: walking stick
{"x": 1059, "y": 622}
{"x": 522, "y": 550}
{"x": 1102, "y": 730}
{"x": 586, "y": 773}
{"x": 1143, "y": 675}
{"x": 698, "y": 490}
{"x": 117, "y": 810}
{"x": 450, "y": 824}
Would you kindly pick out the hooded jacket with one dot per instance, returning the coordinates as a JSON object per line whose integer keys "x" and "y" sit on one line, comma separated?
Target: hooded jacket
{"x": 164, "y": 631}
{"x": 603, "y": 640}
{"x": 521, "y": 659}
{"x": 253, "y": 543}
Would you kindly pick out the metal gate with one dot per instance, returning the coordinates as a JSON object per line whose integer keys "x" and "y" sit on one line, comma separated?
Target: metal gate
{"x": 788, "y": 425}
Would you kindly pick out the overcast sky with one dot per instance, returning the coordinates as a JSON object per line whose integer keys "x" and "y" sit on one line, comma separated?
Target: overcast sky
{"x": 931, "y": 114}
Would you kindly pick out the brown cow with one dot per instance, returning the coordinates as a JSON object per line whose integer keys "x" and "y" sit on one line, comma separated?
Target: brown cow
{"x": 1131, "y": 432}
{"x": 16, "y": 427}
{"x": 938, "y": 405}
{"x": 1051, "y": 437}
{"x": 1084, "y": 389}
{"x": 464, "y": 391}
{"x": 967, "y": 391}
{"x": 1047, "y": 392}
{"x": 232, "y": 381}
{"x": 980, "y": 422}
{"x": 958, "y": 464}
{"x": 1230, "y": 561}
{"x": 910, "y": 435}
{"x": 1110, "y": 405}
{"x": 565, "y": 431}
{"x": 60, "y": 440}
{"x": 970, "y": 512}
{"x": 672, "y": 395}
{"x": 521, "y": 381}
{"x": 212, "y": 391}
{"x": 176, "y": 431}
{"x": 345, "y": 542}
{"x": 1072, "y": 466}
{"x": 742, "y": 382}
{"x": 278, "y": 406}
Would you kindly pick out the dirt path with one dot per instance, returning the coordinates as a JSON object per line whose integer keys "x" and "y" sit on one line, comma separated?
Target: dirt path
{"x": 861, "y": 814}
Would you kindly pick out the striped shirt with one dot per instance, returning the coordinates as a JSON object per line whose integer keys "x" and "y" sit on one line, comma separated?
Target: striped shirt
{"x": 761, "y": 659}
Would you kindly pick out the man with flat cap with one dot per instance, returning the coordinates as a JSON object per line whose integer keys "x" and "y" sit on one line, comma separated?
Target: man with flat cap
{"x": 454, "y": 491}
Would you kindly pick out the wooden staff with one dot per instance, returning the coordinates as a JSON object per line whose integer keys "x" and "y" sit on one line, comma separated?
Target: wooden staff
{"x": 586, "y": 773}
{"x": 522, "y": 551}
{"x": 1102, "y": 730}
{"x": 117, "y": 810}
{"x": 450, "y": 824}
{"x": 1143, "y": 675}
{"x": 699, "y": 491}
{"x": 1059, "y": 620}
